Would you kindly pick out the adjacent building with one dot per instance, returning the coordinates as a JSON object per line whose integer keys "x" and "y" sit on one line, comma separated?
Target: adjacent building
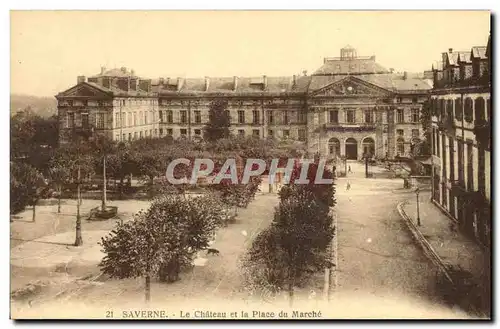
{"x": 349, "y": 107}
{"x": 461, "y": 139}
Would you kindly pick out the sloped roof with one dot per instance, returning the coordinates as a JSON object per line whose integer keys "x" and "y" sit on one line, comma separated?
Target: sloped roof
{"x": 353, "y": 66}
{"x": 478, "y": 52}
{"x": 452, "y": 57}
{"x": 464, "y": 57}
{"x": 391, "y": 81}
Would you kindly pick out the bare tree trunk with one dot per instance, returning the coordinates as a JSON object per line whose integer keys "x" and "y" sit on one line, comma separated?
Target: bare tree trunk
{"x": 104, "y": 184}
{"x": 34, "y": 210}
{"x": 78, "y": 238}
{"x": 59, "y": 200}
{"x": 148, "y": 288}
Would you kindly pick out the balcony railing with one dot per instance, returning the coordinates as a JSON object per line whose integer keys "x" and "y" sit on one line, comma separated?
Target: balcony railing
{"x": 354, "y": 127}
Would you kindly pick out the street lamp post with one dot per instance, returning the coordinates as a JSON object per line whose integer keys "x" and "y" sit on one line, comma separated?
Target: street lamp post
{"x": 417, "y": 191}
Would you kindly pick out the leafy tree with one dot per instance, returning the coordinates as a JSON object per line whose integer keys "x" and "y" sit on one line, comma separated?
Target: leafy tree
{"x": 27, "y": 187}
{"x": 162, "y": 239}
{"x": 60, "y": 172}
{"x": 218, "y": 121}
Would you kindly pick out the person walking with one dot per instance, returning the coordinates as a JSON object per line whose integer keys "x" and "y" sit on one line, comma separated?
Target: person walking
{"x": 350, "y": 171}
{"x": 348, "y": 186}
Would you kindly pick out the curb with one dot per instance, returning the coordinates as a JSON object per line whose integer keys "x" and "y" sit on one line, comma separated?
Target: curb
{"x": 424, "y": 244}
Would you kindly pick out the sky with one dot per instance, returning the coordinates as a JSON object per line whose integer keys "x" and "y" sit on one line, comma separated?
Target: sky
{"x": 49, "y": 49}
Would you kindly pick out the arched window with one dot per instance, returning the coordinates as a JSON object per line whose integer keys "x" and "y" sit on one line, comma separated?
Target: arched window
{"x": 458, "y": 109}
{"x": 449, "y": 108}
{"x": 468, "y": 109}
{"x": 368, "y": 146}
{"x": 400, "y": 146}
{"x": 334, "y": 147}
{"x": 480, "y": 111}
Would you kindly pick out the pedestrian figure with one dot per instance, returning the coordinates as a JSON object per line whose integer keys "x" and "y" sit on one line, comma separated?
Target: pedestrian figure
{"x": 350, "y": 171}
{"x": 348, "y": 186}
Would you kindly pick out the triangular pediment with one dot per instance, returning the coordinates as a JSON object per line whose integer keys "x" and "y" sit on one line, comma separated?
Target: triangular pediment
{"x": 85, "y": 90}
{"x": 351, "y": 86}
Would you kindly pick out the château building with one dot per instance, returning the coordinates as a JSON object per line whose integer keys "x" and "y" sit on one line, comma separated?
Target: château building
{"x": 349, "y": 106}
{"x": 461, "y": 139}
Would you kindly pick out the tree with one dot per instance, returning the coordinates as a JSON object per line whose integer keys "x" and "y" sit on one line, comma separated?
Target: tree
{"x": 218, "y": 121}
{"x": 162, "y": 239}
{"x": 27, "y": 187}
{"x": 60, "y": 173}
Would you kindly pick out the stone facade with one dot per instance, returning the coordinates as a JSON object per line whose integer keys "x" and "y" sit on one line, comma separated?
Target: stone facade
{"x": 461, "y": 146}
{"x": 349, "y": 105}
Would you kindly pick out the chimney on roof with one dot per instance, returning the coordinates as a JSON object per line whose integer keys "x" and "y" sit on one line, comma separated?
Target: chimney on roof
{"x": 123, "y": 69}
{"x": 103, "y": 69}
{"x": 264, "y": 82}
{"x": 235, "y": 83}
{"x": 294, "y": 80}
{"x": 81, "y": 79}
{"x": 405, "y": 75}
{"x": 179, "y": 84}
{"x": 207, "y": 83}
{"x": 450, "y": 50}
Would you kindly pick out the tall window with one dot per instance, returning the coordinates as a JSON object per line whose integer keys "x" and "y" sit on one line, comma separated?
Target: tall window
{"x": 256, "y": 117}
{"x": 146, "y": 117}
{"x": 400, "y": 145}
{"x": 85, "y": 120}
{"x": 270, "y": 117}
{"x": 460, "y": 150}
{"x": 334, "y": 116}
{"x": 302, "y": 117}
{"x": 197, "y": 116}
{"x": 458, "y": 109}
{"x": 334, "y": 147}
{"x": 117, "y": 119}
{"x": 100, "y": 120}
{"x": 415, "y": 133}
{"x": 302, "y": 135}
{"x": 135, "y": 120}
{"x": 170, "y": 131}
{"x": 161, "y": 116}
{"x": 400, "y": 132}
{"x": 183, "y": 132}
{"x": 123, "y": 117}
{"x": 170, "y": 116}
{"x": 415, "y": 115}
{"x": 286, "y": 133}
{"x": 285, "y": 118}
{"x": 468, "y": 110}
{"x": 470, "y": 168}
{"x": 270, "y": 133}
{"x": 369, "y": 116}
{"x": 350, "y": 116}
{"x": 400, "y": 116}
{"x": 241, "y": 116}
{"x": 183, "y": 116}
{"x": 480, "y": 112}
{"x": 256, "y": 133}
{"x": 135, "y": 135}
{"x": 71, "y": 119}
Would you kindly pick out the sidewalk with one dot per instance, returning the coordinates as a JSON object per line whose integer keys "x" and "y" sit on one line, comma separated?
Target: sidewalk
{"x": 467, "y": 263}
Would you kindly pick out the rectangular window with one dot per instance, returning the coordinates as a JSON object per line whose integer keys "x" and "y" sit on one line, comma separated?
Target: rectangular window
{"x": 350, "y": 116}
{"x": 270, "y": 117}
{"x": 461, "y": 162}
{"x": 197, "y": 116}
{"x": 183, "y": 116}
{"x": 241, "y": 132}
{"x": 286, "y": 133}
{"x": 140, "y": 134}
{"x": 415, "y": 133}
{"x": 241, "y": 116}
{"x": 197, "y": 132}
{"x": 334, "y": 116}
{"x": 285, "y": 118}
{"x": 256, "y": 133}
{"x": 85, "y": 120}
{"x": 161, "y": 131}
{"x": 270, "y": 133}
{"x": 400, "y": 132}
{"x": 470, "y": 168}
{"x": 135, "y": 135}
{"x": 124, "y": 137}
{"x": 400, "y": 116}
{"x": 452, "y": 158}
{"x": 368, "y": 116}
{"x": 170, "y": 116}
{"x": 122, "y": 119}
{"x": 129, "y": 137}
{"x": 415, "y": 115}
{"x": 135, "y": 119}
{"x": 146, "y": 117}
{"x": 303, "y": 117}
{"x": 161, "y": 116}
{"x": 256, "y": 117}
{"x": 70, "y": 120}
{"x": 302, "y": 135}
{"x": 184, "y": 132}
{"x": 170, "y": 131}
{"x": 117, "y": 120}
{"x": 100, "y": 120}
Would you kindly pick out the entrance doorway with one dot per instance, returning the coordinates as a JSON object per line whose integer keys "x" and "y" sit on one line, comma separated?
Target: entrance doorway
{"x": 351, "y": 149}
{"x": 369, "y": 146}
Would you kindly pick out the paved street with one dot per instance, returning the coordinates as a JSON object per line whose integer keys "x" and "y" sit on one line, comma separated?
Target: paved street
{"x": 377, "y": 255}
